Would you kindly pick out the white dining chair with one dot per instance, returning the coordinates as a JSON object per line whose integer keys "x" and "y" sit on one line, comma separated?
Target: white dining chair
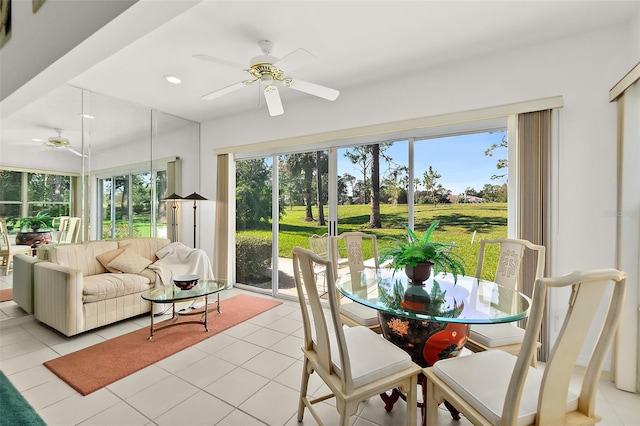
{"x": 351, "y": 313}
{"x": 8, "y": 250}
{"x": 495, "y": 387}
{"x": 354, "y": 362}
{"x": 507, "y": 337}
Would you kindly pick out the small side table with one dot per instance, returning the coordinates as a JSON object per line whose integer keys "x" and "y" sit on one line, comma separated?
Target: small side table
{"x": 172, "y": 294}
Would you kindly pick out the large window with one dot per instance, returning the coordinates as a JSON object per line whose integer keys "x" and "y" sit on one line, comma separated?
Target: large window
{"x": 379, "y": 188}
{"x": 24, "y": 193}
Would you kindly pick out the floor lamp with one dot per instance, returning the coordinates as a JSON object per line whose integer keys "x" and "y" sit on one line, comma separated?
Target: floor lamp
{"x": 174, "y": 215}
{"x": 195, "y": 197}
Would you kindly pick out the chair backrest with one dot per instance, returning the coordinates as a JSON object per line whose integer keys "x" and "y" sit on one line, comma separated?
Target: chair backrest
{"x": 320, "y": 338}
{"x": 588, "y": 289}
{"x": 319, "y": 244}
{"x": 69, "y": 230}
{"x": 511, "y": 260}
{"x": 4, "y": 236}
{"x": 353, "y": 246}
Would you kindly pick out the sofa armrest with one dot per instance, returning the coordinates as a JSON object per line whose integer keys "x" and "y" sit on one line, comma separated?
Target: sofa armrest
{"x": 23, "y": 281}
{"x": 58, "y": 297}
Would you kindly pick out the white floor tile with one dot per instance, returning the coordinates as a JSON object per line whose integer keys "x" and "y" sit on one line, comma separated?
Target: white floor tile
{"x": 205, "y": 371}
{"x": 138, "y": 381}
{"x": 269, "y": 363}
{"x": 200, "y": 409}
{"x": 78, "y": 408}
{"x": 237, "y": 386}
{"x": 265, "y": 337}
{"x": 263, "y": 404}
{"x": 162, "y": 397}
{"x": 239, "y": 418}
{"x": 239, "y": 352}
{"x": 118, "y": 414}
{"x": 48, "y": 393}
{"x": 181, "y": 359}
{"x": 32, "y": 377}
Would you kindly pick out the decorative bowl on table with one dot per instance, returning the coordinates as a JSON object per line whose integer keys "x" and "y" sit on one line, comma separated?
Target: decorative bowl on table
{"x": 185, "y": 282}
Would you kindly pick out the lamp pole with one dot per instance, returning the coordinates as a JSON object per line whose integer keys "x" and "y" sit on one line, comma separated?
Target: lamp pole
{"x": 195, "y": 197}
{"x": 174, "y": 215}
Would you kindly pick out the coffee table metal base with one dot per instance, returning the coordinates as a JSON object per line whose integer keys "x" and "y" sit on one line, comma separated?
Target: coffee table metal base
{"x": 204, "y": 320}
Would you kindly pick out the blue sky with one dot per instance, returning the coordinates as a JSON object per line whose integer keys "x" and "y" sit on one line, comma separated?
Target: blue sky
{"x": 460, "y": 160}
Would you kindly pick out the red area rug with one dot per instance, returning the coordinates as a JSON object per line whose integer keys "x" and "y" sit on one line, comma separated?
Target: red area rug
{"x": 6, "y": 295}
{"x": 97, "y": 366}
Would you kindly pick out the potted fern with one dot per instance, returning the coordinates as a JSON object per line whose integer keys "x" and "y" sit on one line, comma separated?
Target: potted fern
{"x": 418, "y": 255}
{"x": 40, "y": 220}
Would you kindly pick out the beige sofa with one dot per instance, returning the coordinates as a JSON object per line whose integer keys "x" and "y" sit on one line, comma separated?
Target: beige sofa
{"x": 74, "y": 292}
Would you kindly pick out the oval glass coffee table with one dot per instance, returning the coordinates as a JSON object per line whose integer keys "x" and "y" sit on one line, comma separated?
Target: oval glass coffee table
{"x": 172, "y": 294}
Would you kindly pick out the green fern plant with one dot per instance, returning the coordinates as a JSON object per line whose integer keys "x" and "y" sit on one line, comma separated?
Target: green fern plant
{"x": 412, "y": 250}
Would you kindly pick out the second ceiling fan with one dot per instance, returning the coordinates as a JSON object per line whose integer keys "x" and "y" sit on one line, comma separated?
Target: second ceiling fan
{"x": 270, "y": 72}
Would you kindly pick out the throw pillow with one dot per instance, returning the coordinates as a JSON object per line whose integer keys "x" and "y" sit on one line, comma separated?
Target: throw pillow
{"x": 106, "y": 257}
{"x": 130, "y": 262}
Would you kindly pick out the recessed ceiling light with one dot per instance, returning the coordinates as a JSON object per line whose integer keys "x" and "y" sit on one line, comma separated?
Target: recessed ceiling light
{"x": 172, "y": 79}
{"x": 36, "y": 140}
{"x": 87, "y": 116}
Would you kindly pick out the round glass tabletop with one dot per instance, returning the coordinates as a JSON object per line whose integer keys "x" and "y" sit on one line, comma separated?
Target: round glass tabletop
{"x": 467, "y": 301}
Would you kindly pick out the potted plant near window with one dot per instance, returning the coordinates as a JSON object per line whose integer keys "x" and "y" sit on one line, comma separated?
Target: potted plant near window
{"x": 418, "y": 255}
{"x": 40, "y": 220}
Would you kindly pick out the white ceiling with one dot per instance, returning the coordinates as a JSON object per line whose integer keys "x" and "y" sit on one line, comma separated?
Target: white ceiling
{"x": 356, "y": 43}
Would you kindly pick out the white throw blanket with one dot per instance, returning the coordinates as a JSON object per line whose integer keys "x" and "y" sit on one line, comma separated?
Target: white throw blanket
{"x": 178, "y": 259}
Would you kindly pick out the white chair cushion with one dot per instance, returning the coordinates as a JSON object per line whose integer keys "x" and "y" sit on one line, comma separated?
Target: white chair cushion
{"x": 372, "y": 357}
{"x": 482, "y": 379}
{"x": 492, "y": 335}
{"x": 360, "y": 313}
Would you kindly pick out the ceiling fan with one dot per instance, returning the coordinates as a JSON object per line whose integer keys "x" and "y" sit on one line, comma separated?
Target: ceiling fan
{"x": 60, "y": 142}
{"x": 270, "y": 71}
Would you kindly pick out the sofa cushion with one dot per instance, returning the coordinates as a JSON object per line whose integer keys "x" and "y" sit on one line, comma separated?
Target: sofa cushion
{"x": 106, "y": 258}
{"x": 130, "y": 262}
{"x": 146, "y": 247}
{"x": 149, "y": 274}
{"x": 108, "y": 286}
{"x": 82, "y": 257}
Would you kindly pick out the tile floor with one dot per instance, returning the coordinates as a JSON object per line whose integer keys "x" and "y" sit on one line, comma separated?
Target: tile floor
{"x": 246, "y": 375}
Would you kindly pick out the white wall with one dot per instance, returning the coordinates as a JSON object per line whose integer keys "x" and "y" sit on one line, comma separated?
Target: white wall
{"x": 582, "y": 69}
{"x": 38, "y": 40}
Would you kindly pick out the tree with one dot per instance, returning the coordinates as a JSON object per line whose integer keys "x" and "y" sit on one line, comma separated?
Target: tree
{"x": 431, "y": 177}
{"x": 374, "y": 218}
{"x": 253, "y": 193}
{"x": 304, "y": 164}
{"x": 502, "y": 162}
{"x": 320, "y": 199}
{"x": 361, "y": 158}
{"x": 395, "y": 184}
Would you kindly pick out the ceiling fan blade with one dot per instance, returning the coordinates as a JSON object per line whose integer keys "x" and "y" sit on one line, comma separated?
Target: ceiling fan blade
{"x": 79, "y": 154}
{"x": 312, "y": 88}
{"x": 219, "y": 61}
{"x": 228, "y": 89}
{"x": 294, "y": 60}
{"x": 274, "y": 103}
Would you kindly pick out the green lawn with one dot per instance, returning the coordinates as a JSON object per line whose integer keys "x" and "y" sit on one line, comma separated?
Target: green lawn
{"x": 458, "y": 222}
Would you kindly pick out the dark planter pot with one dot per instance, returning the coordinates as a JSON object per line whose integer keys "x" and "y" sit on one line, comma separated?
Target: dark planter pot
{"x": 418, "y": 274}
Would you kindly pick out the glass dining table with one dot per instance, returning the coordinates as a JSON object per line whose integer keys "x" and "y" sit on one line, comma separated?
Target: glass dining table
{"x": 431, "y": 321}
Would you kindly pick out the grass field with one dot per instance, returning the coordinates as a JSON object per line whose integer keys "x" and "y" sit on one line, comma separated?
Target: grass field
{"x": 458, "y": 222}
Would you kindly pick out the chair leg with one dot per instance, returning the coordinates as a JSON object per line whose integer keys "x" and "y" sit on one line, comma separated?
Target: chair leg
{"x": 304, "y": 385}
{"x": 422, "y": 380}
{"x": 412, "y": 402}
